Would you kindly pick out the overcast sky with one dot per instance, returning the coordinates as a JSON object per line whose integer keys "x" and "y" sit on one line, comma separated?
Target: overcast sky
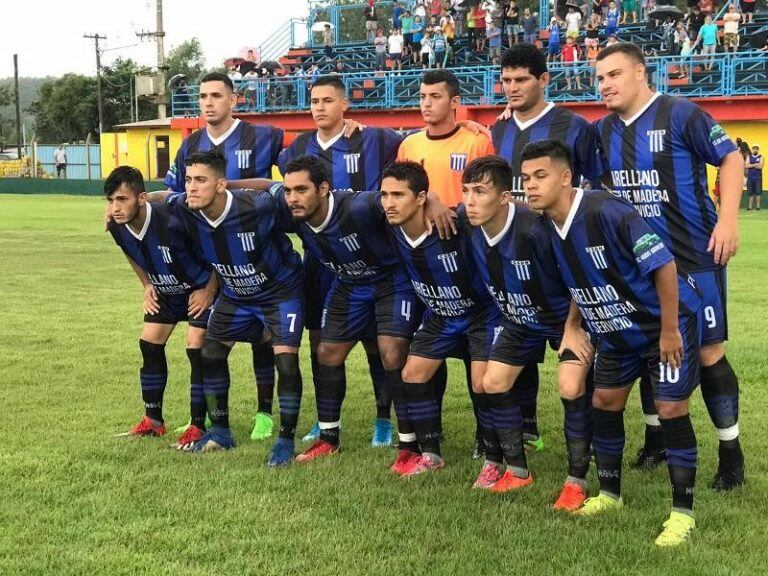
{"x": 48, "y": 34}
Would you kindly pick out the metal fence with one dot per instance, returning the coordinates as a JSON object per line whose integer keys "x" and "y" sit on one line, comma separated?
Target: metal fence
{"x": 730, "y": 75}
{"x": 83, "y": 160}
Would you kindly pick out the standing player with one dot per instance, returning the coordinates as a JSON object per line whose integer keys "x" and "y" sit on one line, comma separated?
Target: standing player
{"x": 459, "y": 314}
{"x": 241, "y": 235}
{"x": 529, "y": 118}
{"x": 657, "y": 148}
{"x": 512, "y": 249}
{"x": 177, "y": 288}
{"x": 250, "y": 151}
{"x": 352, "y": 162}
{"x": 644, "y": 313}
{"x": 346, "y": 231}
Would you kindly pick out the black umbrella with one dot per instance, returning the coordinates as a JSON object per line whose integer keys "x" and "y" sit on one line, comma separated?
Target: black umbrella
{"x": 664, "y": 12}
{"x": 757, "y": 39}
{"x": 270, "y": 65}
{"x": 562, "y": 9}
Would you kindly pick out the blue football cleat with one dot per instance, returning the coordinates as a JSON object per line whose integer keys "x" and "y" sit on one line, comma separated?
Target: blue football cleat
{"x": 382, "y": 433}
{"x": 214, "y": 439}
{"x": 313, "y": 435}
{"x": 282, "y": 453}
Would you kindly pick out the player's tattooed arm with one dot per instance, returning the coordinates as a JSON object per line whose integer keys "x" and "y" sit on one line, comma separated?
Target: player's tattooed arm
{"x": 250, "y": 184}
{"x": 724, "y": 242}
{"x": 670, "y": 339}
{"x": 352, "y": 126}
{"x": 159, "y": 195}
{"x": 202, "y": 298}
{"x": 439, "y": 216}
{"x": 149, "y": 301}
{"x": 575, "y": 338}
{"x": 475, "y": 127}
{"x": 506, "y": 114}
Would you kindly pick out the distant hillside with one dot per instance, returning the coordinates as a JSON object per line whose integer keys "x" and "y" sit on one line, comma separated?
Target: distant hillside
{"x": 29, "y": 88}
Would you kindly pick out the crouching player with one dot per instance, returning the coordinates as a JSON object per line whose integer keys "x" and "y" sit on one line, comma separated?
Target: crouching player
{"x": 644, "y": 313}
{"x": 458, "y": 311}
{"x": 512, "y": 249}
{"x": 177, "y": 288}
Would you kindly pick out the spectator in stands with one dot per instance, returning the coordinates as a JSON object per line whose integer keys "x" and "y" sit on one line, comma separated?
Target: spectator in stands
{"x": 435, "y": 8}
{"x": 681, "y": 35}
{"x": 572, "y": 23}
{"x": 553, "y": 44}
{"x": 328, "y": 42}
{"x": 748, "y": 12}
{"x": 397, "y": 14}
{"x": 380, "y": 48}
{"x": 60, "y": 158}
{"x": 754, "y": 166}
{"x": 686, "y": 51}
{"x": 731, "y": 21}
{"x": 480, "y": 26}
{"x": 234, "y": 74}
{"x": 707, "y": 7}
{"x": 339, "y": 67}
{"x": 612, "y": 39}
{"x": 667, "y": 35}
{"x": 530, "y": 27}
{"x": 649, "y": 6}
{"x": 707, "y": 37}
{"x": 371, "y": 23}
{"x": 395, "y": 46}
{"x": 407, "y": 30}
{"x": 629, "y": 7}
{"x": 440, "y": 47}
{"x": 418, "y": 34}
{"x": 592, "y": 43}
{"x": 494, "y": 43}
{"x": 597, "y": 13}
{"x": 427, "y": 53}
{"x": 249, "y": 63}
{"x": 695, "y": 20}
{"x": 570, "y": 58}
{"x": 513, "y": 23}
{"x": 494, "y": 13}
{"x": 448, "y": 26}
{"x": 459, "y": 15}
{"x": 612, "y": 20}
{"x": 251, "y": 80}
{"x": 471, "y": 38}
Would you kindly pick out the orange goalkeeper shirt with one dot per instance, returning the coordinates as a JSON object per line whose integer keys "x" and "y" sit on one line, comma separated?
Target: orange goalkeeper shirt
{"x": 445, "y": 158}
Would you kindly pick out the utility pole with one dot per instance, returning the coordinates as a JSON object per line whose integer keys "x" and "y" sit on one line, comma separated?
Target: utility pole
{"x": 16, "y": 100}
{"x": 96, "y": 38}
{"x": 158, "y": 35}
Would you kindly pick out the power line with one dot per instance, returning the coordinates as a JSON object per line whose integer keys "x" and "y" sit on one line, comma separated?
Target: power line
{"x": 96, "y": 38}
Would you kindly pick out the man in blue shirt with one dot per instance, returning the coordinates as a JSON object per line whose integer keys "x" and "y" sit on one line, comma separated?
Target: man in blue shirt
{"x": 754, "y": 168}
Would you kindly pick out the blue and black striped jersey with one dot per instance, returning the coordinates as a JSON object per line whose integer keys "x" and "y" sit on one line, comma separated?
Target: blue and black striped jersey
{"x": 172, "y": 270}
{"x": 519, "y": 271}
{"x": 607, "y": 255}
{"x": 246, "y": 246}
{"x": 354, "y": 163}
{"x": 249, "y": 149}
{"x": 554, "y": 123}
{"x": 657, "y": 161}
{"x": 443, "y": 272}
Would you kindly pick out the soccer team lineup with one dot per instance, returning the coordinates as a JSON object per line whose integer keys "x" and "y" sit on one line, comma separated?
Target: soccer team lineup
{"x": 599, "y": 242}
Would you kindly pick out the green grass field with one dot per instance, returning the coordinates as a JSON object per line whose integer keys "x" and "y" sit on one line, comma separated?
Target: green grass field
{"x": 77, "y": 500}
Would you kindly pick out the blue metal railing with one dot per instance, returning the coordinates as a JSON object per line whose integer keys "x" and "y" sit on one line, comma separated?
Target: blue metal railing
{"x": 730, "y": 75}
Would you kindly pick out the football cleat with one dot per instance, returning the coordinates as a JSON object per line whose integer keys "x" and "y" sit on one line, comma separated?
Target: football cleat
{"x": 262, "y": 426}
{"x": 677, "y": 530}
{"x": 489, "y": 475}
{"x": 509, "y": 482}
{"x": 726, "y": 479}
{"x": 425, "y": 463}
{"x": 382, "y": 433}
{"x": 532, "y": 443}
{"x": 599, "y": 504}
{"x": 281, "y": 454}
{"x": 145, "y": 427}
{"x": 313, "y": 435}
{"x": 317, "y": 450}
{"x": 214, "y": 440}
{"x": 191, "y": 435}
{"x": 402, "y": 461}
{"x": 649, "y": 458}
{"x": 571, "y": 497}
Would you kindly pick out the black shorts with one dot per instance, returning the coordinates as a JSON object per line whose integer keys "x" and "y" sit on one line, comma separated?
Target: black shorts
{"x": 618, "y": 368}
{"x": 390, "y": 304}
{"x": 747, "y": 7}
{"x": 408, "y": 40}
{"x": 517, "y": 345}
{"x": 441, "y": 337}
{"x": 480, "y": 33}
{"x": 243, "y": 321}
{"x": 317, "y": 285}
{"x": 173, "y": 309}
{"x": 755, "y": 187}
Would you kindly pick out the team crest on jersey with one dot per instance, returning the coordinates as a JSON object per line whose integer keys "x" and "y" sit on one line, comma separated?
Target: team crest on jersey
{"x": 458, "y": 162}
{"x": 656, "y": 140}
{"x": 352, "y": 162}
{"x": 165, "y": 252}
{"x": 350, "y": 242}
{"x": 450, "y": 261}
{"x": 717, "y": 135}
{"x": 522, "y": 269}
{"x": 247, "y": 241}
{"x": 597, "y": 253}
{"x": 243, "y": 159}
